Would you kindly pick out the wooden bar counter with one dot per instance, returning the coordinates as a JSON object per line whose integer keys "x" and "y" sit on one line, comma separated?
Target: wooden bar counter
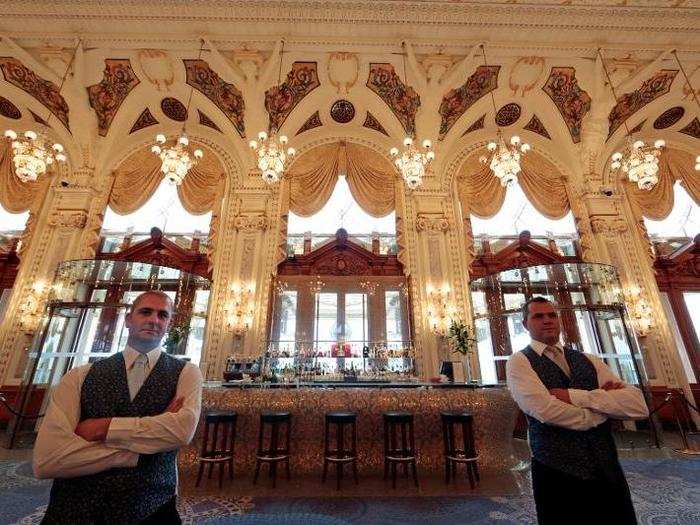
{"x": 493, "y": 409}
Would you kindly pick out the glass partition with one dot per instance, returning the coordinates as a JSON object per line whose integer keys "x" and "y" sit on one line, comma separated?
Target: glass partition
{"x": 591, "y": 310}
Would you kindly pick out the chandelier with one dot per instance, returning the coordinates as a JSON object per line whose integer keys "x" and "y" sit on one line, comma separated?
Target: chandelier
{"x": 413, "y": 162}
{"x": 505, "y": 158}
{"x": 271, "y": 155}
{"x": 31, "y": 154}
{"x": 640, "y": 162}
{"x": 316, "y": 285}
{"x": 176, "y": 159}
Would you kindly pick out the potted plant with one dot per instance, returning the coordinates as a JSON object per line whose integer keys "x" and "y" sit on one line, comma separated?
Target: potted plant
{"x": 463, "y": 342}
{"x": 176, "y": 335}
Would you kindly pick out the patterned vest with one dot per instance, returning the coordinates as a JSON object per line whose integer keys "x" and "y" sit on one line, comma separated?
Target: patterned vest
{"x": 120, "y": 495}
{"x": 587, "y": 454}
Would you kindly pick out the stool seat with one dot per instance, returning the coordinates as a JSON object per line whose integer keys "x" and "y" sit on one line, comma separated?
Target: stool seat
{"x": 222, "y": 416}
{"x": 341, "y": 417}
{"x": 398, "y": 417}
{"x": 457, "y": 417}
{"x": 272, "y": 417}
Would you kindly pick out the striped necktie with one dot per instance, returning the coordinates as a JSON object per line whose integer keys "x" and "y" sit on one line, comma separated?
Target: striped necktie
{"x": 556, "y": 354}
{"x": 137, "y": 375}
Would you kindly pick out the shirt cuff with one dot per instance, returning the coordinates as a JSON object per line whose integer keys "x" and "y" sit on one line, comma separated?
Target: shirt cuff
{"x": 580, "y": 398}
{"x": 120, "y": 431}
{"x": 125, "y": 459}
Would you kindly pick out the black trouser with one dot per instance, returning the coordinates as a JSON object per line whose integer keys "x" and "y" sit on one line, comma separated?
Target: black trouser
{"x": 165, "y": 515}
{"x": 564, "y": 499}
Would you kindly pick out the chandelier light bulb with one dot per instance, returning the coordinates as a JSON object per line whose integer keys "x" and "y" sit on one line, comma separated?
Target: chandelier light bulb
{"x": 697, "y": 163}
{"x": 184, "y": 140}
{"x": 253, "y": 145}
{"x": 262, "y": 136}
{"x": 283, "y": 139}
{"x": 160, "y": 138}
{"x": 291, "y": 152}
{"x": 413, "y": 161}
{"x": 640, "y": 162}
{"x": 32, "y": 154}
{"x": 515, "y": 140}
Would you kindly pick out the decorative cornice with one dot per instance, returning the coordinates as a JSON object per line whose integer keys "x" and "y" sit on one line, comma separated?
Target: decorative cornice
{"x": 68, "y": 219}
{"x": 608, "y": 225}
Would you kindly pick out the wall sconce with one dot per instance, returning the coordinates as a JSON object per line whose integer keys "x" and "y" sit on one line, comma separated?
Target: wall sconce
{"x": 316, "y": 285}
{"x": 370, "y": 287}
{"x": 31, "y": 307}
{"x": 440, "y": 308}
{"x": 241, "y": 308}
{"x": 640, "y": 311}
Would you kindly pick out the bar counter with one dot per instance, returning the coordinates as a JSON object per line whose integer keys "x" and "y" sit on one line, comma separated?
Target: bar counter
{"x": 493, "y": 409}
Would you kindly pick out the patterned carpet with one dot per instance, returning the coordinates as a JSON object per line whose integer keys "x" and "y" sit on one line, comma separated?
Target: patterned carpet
{"x": 665, "y": 492}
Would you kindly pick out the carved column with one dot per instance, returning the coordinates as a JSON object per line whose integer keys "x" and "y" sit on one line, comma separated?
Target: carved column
{"x": 244, "y": 259}
{"x": 441, "y": 263}
{"x": 63, "y": 231}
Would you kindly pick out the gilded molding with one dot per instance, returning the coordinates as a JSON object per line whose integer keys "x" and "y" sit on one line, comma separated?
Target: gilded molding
{"x": 432, "y": 223}
{"x": 68, "y": 219}
{"x": 250, "y": 223}
{"x": 608, "y": 225}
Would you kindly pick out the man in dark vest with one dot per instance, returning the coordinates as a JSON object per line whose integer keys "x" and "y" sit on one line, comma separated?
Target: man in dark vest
{"x": 112, "y": 429}
{"x": 568, "y": 398}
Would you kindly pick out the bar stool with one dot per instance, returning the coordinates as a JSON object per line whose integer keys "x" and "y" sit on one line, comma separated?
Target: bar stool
{"x": 405, "y": 453}
{"x": 453, "y": 455}
{"x": 340, "y": 455}
{"x": 275, "y": 450}
{"x": 218, "y": 449}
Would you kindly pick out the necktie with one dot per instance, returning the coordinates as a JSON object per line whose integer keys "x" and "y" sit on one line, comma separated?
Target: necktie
{"x": 557, "y": 355}
{"x": 137, "y": 375}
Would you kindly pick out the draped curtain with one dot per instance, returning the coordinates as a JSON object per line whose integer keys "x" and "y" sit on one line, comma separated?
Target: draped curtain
{"x": 137, "y": 178}
{"x": 481, "y": 193}
{"x": 313, "y": 175}
{"x": 657, "y": 203}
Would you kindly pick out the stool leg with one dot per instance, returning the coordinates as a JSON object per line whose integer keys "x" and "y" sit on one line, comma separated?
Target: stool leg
{"x": 404, "y": 449}
{"x": 199, "y": 474}
{"x": 224, "y": 450}
{"x": 261, "y": 433}
{"x": 340, "y": 453}
{"x": 215, "y": 443}
{"x": 467, "y": 450}
{"x": 354, "y": 451}
{"x": 273, "y": 450}
{"x": 445, "y": 438}
{"x": 413, "y": 452}
{"x": 386, "y": 449}
{"x": 287, "y": 450}
{"x": 325, "y": 451}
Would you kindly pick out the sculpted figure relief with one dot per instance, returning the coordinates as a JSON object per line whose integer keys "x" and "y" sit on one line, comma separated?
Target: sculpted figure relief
{"x": 433, "y": 78}
{"x": 253, "y": 75}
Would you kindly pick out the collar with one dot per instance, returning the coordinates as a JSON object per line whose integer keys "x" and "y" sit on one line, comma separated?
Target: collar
{"x": 130, "y": 356}
{"x": 539, "y": 346}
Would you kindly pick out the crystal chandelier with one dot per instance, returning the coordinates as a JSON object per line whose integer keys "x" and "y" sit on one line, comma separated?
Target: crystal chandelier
{"x": 505, "y": 158}
{"x": 31, "y": 155}
{"x": 177, "y": 159}
{"x": 271, "y": 155}
{"x": 640, "y": 162}
{"x": 413, "y": 162}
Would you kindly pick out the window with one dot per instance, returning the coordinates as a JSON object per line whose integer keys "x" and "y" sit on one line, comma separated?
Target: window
{"x": 355, "y": 329}
{"x": 684, "y": 220}
{"x": 326, "y": 321}
{"x": 392, "y": 304}
{"x": 287, "y": 320}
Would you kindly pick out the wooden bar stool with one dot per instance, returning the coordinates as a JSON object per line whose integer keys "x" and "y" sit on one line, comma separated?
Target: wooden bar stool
{"x": 395, "y": 453}
{"x": 467, "y": 454}
{"x": 218, "y": 449}
{"x": 276, "y": 449}
{"x": 340, "y": 455}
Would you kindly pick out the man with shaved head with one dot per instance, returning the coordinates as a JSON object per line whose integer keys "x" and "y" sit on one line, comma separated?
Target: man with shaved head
{"x": 112, "y": 429}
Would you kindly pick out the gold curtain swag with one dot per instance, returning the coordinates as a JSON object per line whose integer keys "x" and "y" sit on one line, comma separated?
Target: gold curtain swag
{"x": 138, "y": 176}
{"x": 481, "y": 193}
{"x": 674, "y": 165}
{"x": 314, "y": 174}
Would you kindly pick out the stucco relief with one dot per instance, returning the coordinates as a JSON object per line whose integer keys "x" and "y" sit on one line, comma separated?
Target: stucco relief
{"x": 281, "y": 100}
{"x": 572, "y": 102}
{"x": 608, "y": 225}
{"x": 44, "y": 91}
{"x": 250, "y": 222}
{"x": 432, "y": 223}
{"x": 457, "y": 101}
{"x": 158, "y": 68}
{"x": 525, "y": 75}
{"x": 68, "y": 219}
{"x": 312, "y": 122}
{"x": 401, "y": 99}
{"x": 342, "y": 69}
{"x": 630, "y": 103}
{"x": 106, "y": 97}
{"x": 144, "y": 120}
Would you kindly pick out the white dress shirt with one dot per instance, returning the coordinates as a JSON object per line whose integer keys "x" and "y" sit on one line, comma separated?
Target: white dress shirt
{"x": 60, "y": 453}
{"x": 588, "y": 409}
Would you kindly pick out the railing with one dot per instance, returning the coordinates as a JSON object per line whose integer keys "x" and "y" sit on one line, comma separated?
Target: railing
{"x": 113, "y": 242}
{"x": 565, "y": 243}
